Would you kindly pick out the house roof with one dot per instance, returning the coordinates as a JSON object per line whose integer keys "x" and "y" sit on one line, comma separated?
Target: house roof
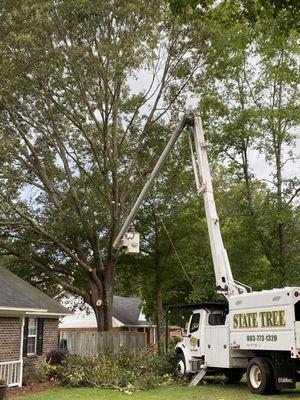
{"x": 126, "y": 312}
{"x": 16, "y": 294}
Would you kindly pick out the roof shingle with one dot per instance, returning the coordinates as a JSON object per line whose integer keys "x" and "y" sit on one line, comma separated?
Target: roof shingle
{"x": 16, "y": 293}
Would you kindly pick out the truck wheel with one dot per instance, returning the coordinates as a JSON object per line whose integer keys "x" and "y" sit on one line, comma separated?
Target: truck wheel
{"x": 181, "y": 367}
{"x": 233, "y": 375}
{"x": 260, "y": 376}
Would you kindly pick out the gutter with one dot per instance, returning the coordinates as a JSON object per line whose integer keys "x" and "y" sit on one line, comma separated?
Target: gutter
{"x": 26, "y": 310}
{"x": 36, "y": 312}
{"x": 33, "y": 311}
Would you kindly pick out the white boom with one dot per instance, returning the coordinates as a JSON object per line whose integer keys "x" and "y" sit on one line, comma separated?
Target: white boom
{"x": 128, "y": 239}
{"x": 224, "y": 279}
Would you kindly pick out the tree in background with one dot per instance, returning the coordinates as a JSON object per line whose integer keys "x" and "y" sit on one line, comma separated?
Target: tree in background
{"x": 250, "y": 97}
{"x": 284, "y": 12}
{"x": 276, "y": 95}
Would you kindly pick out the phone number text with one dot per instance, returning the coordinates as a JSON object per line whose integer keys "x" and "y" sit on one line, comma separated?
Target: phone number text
{"x": 261, "y": 338}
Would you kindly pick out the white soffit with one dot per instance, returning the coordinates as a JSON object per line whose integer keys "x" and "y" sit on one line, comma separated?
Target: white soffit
{"x": 83, "y": 321}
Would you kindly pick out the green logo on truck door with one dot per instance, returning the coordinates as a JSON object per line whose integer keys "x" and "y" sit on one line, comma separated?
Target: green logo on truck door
{"x": 263, "y": 319}
{"x": 193, "y": 341}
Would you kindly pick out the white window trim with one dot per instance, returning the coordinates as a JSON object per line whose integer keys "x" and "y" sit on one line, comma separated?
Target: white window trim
{"x": 35, "y": 336}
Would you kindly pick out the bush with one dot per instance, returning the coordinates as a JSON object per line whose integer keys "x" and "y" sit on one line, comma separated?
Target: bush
{"x": 47, "y": 372}
{"x": 124, "y": 371}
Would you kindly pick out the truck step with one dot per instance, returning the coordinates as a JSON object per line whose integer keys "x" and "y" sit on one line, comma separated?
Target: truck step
{"x": 198, "y": 377}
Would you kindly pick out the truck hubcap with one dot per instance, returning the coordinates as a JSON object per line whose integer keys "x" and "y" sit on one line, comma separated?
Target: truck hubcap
{"x": 255, "y": 376}
{"x": 180, "y": 368}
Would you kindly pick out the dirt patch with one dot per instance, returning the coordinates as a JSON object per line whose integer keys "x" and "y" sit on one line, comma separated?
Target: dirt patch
{"x": 30, "y": 388}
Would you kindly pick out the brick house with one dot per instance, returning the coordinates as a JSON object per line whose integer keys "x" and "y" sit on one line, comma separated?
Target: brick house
{"x": 28, "y": 327}
{"x": 127, "y": 316}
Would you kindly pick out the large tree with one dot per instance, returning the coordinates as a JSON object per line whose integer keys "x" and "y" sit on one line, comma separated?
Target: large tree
{"x": 76, "y": 133}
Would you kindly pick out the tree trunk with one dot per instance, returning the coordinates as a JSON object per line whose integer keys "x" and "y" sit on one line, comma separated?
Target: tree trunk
{"x": 281, "y": 224}
{"x": 109, "y": 285}
{"x": 247, "y": 177}
{"x": 100, "y": 317}
{"x": 159, "y": 314}
{"x": 101, "y": 299}
{"x": 104, "y": 310}
{"x": 108, "y": 315}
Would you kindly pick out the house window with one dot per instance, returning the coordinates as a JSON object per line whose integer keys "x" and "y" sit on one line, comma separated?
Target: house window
{"x": 32, "y": 336}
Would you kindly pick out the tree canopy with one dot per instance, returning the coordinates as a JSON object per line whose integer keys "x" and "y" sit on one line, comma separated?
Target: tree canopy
{"x": 89, "y": 94}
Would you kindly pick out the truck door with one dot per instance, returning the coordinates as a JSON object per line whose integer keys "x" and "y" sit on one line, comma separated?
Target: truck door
{"x": 194, "y": 334}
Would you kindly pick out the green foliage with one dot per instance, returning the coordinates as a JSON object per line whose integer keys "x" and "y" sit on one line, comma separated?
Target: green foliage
{"x": 124, "y": 371}
{"x": 285, "y": 13}
{"x": 47, "y": 372}
{"x": 250, "y": 103}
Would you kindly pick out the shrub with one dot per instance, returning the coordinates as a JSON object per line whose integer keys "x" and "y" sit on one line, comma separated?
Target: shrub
{"x": 123, "y": 371}
{"x": 46, "y": 372}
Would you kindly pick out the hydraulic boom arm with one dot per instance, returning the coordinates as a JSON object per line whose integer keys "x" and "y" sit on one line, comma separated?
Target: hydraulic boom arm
{"x": 224, "y": 279}
{"x": 129, "y": 239}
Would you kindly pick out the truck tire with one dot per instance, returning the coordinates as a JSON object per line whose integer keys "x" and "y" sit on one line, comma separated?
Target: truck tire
{"x": 260, "y": 376}
{"x": 180, "y": 365}
{"x": 233, "y": 375}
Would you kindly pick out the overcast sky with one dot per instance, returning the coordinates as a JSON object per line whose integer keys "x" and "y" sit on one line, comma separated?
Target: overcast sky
{"x": 258, "y": 164}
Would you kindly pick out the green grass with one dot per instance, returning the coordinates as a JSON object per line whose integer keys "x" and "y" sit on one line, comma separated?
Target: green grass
{"x": 209, "y": 391}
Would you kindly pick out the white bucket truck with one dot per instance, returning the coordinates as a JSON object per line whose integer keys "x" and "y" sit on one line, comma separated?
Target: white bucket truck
{"x": 258, "y": 332}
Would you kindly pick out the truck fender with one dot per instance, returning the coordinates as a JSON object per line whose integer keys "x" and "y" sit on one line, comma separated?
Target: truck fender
{"x": 187, "y": 357}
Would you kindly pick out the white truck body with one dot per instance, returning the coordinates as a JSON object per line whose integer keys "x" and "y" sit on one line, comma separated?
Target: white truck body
{"x": 265, "y": 323}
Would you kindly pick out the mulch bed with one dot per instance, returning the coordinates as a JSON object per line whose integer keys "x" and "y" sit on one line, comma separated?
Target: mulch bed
{"x": 30, "y": 388}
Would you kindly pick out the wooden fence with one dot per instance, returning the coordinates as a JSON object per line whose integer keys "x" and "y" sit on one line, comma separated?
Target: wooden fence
{"x": 88, "y": 343}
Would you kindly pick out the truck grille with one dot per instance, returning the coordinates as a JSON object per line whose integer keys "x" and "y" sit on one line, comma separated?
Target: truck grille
{"x": 196, "y": 365}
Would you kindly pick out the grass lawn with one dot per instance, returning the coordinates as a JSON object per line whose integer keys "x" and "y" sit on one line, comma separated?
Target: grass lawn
{"x": 210, "y": 391}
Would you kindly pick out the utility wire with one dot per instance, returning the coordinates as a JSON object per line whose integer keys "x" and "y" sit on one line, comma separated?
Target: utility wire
{"x": 171, "y": 241}
{"x": 176, "y": 252}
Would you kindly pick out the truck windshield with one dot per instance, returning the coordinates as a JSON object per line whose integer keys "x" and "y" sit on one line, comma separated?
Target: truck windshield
{"x": 216, "y": 319}
{"x": 194, "y": 325}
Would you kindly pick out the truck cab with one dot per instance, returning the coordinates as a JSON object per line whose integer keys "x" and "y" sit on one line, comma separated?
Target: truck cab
{"x": 193, "y": 350}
